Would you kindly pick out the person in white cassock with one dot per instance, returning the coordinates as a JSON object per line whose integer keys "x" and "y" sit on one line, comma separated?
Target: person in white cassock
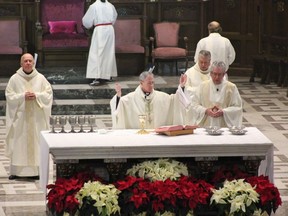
{"x": 101, "y": 64}
{"x": 195, "y": 76}
{"x": 217, "y": 101}
{"x": 28, "y": 107}
{"x": 220, "y": 47}
{"x": 160, "y": 108}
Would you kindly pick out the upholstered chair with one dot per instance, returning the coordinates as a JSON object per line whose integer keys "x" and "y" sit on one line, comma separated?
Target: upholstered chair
{"x": 60, "y": 35}
{"x": 12, "y": 36}
{"x": 12, "y": 44}
{"x": 130, "y": 44}
{"x": 165, "y": 44}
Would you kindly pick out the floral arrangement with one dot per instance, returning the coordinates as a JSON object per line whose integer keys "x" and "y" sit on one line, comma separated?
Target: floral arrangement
{"x": 157, "y": 197}
{"x": 160, "y": 170}
{"x": 236, "y": 197}
{"x": 70, "y": 196}
{"x": 61, "y": 196}
{"x": 251, "y": 196}
{"x": 163, "y": 188}
{"x": 96, "y": 198}
{"x": 270, "y": 198}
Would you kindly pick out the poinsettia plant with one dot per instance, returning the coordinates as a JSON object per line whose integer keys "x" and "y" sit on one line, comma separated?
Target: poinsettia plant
{"x": 96, "y": 198}
{"x": 270, "y": 198}
{"x": 61, "y": 196}
{"x": 161, "y": 186}
{"x": 251, "y": 196}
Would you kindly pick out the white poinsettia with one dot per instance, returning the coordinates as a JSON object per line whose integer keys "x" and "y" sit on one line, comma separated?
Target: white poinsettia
{"x": 105, "y": 197}
{"x": 160, "y": 170}
{"x": 239, "y": 195}
{"x": 259, "y": 212}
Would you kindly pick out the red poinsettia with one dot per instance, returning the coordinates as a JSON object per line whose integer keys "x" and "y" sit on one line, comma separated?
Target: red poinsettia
{"x": 61, "y": 195}
{"x": 269, "y": 195}
{"x": 177, "y": 196}
{"x": 228, "y": 173}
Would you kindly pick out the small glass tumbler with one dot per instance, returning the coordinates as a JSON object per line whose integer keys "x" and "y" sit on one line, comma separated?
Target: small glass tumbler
{"x": 63, "y": 122}
{"x": 92, "y": 123}
{"x": 53, "y": 122}
{"x": 81, "y": 122}
{"x": 72, "y": 121}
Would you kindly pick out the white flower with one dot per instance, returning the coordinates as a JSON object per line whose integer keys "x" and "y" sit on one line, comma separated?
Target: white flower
{"x": 160, "y": 169}
{"x": 237, "y": 193}
{"x": 106, "y": 196}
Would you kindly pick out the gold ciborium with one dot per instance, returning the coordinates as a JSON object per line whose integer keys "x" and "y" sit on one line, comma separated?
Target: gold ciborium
{"x": 142, "y": 121}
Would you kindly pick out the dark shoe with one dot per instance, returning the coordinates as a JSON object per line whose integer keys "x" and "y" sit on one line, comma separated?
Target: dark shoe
{"x": 33, "y": 177}
{"x": 12, "y": 177}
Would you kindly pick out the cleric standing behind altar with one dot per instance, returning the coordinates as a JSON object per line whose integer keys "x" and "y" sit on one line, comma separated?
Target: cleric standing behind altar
{"x": 217, "y": 101}
{"x": 160, "y": 108}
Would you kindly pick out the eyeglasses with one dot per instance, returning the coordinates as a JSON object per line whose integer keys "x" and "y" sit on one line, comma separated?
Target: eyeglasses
{"x": 217, "y": 74}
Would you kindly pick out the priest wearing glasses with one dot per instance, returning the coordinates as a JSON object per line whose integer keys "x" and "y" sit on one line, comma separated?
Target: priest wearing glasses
{"x": 160, "y": 108}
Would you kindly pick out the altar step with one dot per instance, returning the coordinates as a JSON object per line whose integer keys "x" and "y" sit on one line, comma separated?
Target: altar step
{"x": 74, "y": 96}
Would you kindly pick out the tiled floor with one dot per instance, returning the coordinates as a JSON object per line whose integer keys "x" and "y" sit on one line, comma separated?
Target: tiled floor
{"x": 266, "y": 107}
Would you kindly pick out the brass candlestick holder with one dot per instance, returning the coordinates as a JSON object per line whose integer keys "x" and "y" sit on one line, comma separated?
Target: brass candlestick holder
{"x": 142, "y": 121}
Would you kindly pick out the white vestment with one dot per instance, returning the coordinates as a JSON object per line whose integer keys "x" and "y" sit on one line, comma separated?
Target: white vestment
{"x": 25, "y": 119}
{"x": 195, "y": 76}
{"x": 226, "y": 96}
{"x": 220, "y": 48}
{"x": 160, "y": 108}
{"x": 101, "y": 60}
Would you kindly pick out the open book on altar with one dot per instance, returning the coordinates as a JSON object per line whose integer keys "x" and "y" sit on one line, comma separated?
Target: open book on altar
{"x": 173, "y": 130}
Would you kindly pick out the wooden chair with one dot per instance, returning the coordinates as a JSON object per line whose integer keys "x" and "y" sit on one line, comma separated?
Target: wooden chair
{"x": 61, "y": 39}
{"x": 165, "y": 44}
{"x": 130, "y": 45}
{"x": 12, "y": 42}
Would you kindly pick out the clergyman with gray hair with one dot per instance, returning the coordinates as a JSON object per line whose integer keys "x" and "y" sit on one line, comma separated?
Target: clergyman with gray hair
{"x": 160, "y": 108}
{"x": 217, "y": 101}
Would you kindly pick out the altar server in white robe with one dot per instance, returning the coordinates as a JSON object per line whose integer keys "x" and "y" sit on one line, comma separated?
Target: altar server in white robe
{"x": 160, "y": 108}
{"x": 196, "y": 75}
{"x": 29, "y": 101}
{"x": 217, "y": 101}
{"x": 101, "y": 65}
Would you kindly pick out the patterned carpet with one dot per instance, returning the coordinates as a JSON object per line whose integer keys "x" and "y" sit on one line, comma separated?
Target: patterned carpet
{"x": 265, "y": 106}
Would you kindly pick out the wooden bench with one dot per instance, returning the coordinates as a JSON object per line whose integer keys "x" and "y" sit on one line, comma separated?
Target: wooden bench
{"x": 271, "y": 65}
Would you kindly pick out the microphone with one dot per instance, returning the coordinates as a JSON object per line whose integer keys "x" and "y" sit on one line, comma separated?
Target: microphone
{"x": 217, "y": 89}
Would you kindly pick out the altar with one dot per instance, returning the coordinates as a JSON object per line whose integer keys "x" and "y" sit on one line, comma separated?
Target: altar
{"x": 127, "y": 144}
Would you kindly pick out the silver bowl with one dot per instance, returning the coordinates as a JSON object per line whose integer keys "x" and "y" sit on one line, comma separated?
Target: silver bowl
{"x": 237, "y": 128}
{"x": 212, "y": 128}
{"x": 239, "y": 132}
{"x": 215, "y": 132}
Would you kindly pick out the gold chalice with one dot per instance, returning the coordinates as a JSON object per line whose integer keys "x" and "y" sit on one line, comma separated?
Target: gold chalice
{"x": 142, "y": 121}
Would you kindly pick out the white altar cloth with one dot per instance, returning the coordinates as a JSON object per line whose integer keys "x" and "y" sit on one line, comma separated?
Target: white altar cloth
{"x": 117, "y": 144}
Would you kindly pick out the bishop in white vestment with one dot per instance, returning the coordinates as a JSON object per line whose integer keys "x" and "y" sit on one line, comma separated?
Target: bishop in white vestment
{"x": 160, "y": 108}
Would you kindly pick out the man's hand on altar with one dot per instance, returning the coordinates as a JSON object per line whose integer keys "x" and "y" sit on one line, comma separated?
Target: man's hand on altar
{"x": 118, "y": 89}
{"x": 182, "y": 80}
